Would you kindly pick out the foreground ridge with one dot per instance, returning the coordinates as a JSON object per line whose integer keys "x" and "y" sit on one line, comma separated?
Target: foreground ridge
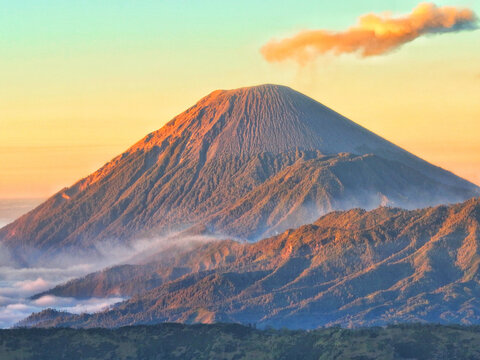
{"x": 353, "y": 268}
{"x": 231, "y": 341}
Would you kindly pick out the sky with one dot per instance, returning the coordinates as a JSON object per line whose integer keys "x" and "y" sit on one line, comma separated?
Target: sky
{"x": 81, "y": 81}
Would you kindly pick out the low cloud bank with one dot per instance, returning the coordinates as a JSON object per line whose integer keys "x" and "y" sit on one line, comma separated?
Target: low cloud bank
{"x": 17, "y": 285}
{"x": 12, "y": 313}
{"x": 373, "y": 34}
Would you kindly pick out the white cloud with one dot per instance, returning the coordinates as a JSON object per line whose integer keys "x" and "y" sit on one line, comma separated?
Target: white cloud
{"x": 19, "y": 307}
{"x": 17, "y": 285}
{"x": 47, "y": 300}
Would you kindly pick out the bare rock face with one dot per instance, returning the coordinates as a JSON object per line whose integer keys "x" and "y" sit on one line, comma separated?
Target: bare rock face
{"x": 245, "y": 163}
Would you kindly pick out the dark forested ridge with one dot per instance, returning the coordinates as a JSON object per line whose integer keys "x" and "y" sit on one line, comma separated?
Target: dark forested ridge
{"x": 231, "y": 341}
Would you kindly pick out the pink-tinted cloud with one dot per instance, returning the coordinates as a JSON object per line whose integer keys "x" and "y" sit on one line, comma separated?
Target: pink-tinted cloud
{"x": 36, "y": 285}
{"x": 47, "y": 300}
{"x": 372, "y": 35}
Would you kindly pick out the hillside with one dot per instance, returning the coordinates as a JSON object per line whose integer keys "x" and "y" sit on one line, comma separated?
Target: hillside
{"x": 353, "y": 268}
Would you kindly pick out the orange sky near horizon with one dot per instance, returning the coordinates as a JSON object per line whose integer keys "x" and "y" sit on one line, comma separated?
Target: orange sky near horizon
{"x": 77, "y": 90}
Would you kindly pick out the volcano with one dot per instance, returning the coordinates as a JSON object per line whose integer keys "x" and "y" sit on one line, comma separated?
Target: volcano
{"x": 245, "y": 163}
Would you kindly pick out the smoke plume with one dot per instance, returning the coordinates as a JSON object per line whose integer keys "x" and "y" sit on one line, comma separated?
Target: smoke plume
{"x": 373, "y": 34}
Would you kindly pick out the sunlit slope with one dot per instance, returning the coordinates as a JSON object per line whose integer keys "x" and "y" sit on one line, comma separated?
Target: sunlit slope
{"x": 350, "y": 268}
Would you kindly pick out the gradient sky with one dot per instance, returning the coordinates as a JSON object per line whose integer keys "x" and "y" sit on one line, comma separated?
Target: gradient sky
{"x": 80, "y": 81}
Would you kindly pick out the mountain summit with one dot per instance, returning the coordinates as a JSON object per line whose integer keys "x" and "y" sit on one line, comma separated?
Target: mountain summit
{"x": 265, "y": 118}
{"x": 245, "y": 163}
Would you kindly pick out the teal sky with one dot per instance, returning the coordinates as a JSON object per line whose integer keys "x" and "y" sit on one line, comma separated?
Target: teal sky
{"x": 99, "y": 75}
{"x": 79, "y": 45}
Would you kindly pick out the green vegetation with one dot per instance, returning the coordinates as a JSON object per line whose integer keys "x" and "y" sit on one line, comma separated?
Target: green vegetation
{"x": 232, "y": 341}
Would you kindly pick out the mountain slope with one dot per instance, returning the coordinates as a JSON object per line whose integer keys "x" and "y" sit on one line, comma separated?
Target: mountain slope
{"x": 247, "y": 163}
{"x": 350, "y": 268}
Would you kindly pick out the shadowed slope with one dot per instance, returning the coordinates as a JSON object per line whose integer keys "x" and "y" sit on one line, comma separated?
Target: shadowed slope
{"x": 245, "y": 162}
